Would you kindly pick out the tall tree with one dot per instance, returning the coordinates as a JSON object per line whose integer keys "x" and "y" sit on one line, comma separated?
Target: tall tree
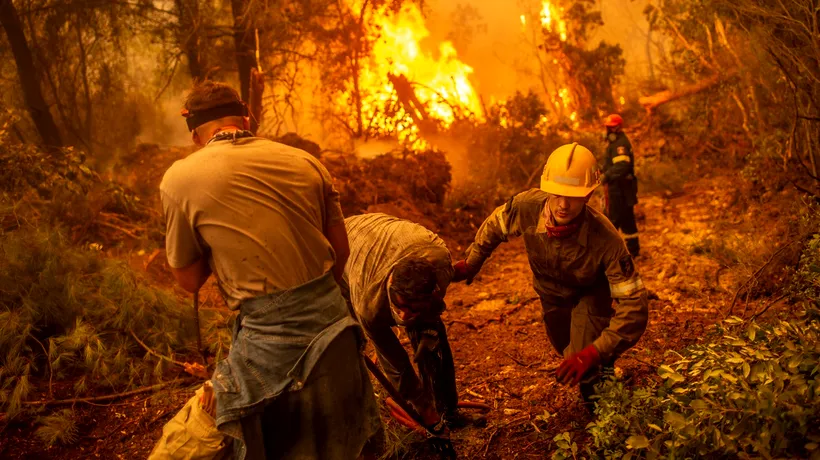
{"x": 37, "y": 106}
{"x": 244, "y": 39}
{"x": 188, "y": 35}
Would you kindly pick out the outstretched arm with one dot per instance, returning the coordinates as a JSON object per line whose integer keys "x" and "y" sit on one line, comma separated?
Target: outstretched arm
{"x": 631, "y": 304}
{"x": 502, "y": 224}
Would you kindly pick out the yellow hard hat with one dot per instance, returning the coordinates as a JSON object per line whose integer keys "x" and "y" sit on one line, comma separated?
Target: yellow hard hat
{"x": 571, "y": 170}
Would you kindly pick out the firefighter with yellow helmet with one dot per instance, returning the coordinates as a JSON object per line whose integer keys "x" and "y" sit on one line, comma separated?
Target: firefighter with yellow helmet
{"x": 594, "y": 302}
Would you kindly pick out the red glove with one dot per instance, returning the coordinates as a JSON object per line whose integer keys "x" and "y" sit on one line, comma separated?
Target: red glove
{"x": 462, "y": 272}
{"x": 573, "y": 368}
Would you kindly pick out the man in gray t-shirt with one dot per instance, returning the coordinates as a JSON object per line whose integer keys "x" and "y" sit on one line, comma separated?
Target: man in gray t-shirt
{"x": 398, "y": 273}
{"x": 265, "y": 219}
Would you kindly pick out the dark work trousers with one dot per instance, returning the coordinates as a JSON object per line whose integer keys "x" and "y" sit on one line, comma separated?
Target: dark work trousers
{"x": 316, "y": 421}
{"x": 435, "y": 363}
{"x": 622, "y": 216}
{"x": 571, "y": 327}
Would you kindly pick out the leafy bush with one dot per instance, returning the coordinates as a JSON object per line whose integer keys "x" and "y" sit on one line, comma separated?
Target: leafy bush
{"x": 752, "y": 391}
{"x": 66, "y": 311}
{"x": 806, "y": 282}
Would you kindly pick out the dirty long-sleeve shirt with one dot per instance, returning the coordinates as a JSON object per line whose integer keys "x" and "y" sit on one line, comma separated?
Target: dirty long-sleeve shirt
{"x": 565, "y": 269}
{"x": 377, "y": 243}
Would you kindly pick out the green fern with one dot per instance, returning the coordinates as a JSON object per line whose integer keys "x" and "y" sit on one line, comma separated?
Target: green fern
{"x": 60, "y": 427}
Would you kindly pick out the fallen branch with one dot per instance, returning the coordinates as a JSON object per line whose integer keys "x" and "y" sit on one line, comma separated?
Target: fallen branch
{"x": 656, "y": 100}
{"x": 151, "y": 258}
{"x": 766, "y": 308}
{"x": 150, "y": 351}
{"x": 653, "y": 366}
{"x": 110, "y": 225}
{"x": 473, "y": 393}
{"x": 518, "y": 361}
{"x": 106, "y": 397}
{"x": 805, "y": 190}
{"x": 490, "y": 441}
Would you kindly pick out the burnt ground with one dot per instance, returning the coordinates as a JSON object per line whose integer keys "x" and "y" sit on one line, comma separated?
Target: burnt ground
{"x": 502, "y": 355}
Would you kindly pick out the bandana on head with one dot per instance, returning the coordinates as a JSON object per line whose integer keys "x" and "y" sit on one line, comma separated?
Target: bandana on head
{"x": 200, "y": 117}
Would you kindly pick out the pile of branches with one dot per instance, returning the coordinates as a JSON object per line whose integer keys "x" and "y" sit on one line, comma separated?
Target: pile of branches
{"x": 411, "y": 186}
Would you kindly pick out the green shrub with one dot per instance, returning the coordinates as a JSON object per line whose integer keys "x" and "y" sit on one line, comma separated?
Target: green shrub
{"x": 806, "y": 282}
{"x": 752, "y": 391}
{"x": 68, "y": 312}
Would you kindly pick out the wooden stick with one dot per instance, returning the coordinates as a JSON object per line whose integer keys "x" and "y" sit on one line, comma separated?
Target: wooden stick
{"x": 777, "y": 299}
{"x": 104, "y": 398}
{"x": 489, "y": 441}
{"x": 170, "y": 360}
{"x": 518, "y": 361}
{"x": 754, "y": 276}
{"x": 109, "y": 225}
{"x": 198, "y": 330}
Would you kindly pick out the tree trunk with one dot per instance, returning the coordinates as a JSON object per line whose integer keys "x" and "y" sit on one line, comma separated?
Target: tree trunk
{"x": 656, "y": 100}
{"x": 255, "y": 99}
{"x": 37, "y": 107}
{"x": 188, "y": 36}
{"x": 245, "y": 48}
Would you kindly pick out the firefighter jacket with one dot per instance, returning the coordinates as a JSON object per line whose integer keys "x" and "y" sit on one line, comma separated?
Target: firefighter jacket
{"x": 567, "y": 269}
{"x": 619, "y": 170}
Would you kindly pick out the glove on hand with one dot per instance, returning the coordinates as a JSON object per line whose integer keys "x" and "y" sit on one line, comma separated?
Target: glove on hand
{"x": 463, "y": 272}
{"x": 573, "y": 368}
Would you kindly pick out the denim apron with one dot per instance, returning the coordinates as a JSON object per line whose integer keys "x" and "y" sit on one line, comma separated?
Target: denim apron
{"x": 277, "y": 340}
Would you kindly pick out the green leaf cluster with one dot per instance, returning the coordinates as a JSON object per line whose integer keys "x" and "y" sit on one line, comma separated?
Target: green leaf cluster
{"x": 66, "y": 313}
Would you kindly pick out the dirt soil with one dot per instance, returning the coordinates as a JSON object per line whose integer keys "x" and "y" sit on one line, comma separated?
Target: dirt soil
{"x": 502, "y": 355}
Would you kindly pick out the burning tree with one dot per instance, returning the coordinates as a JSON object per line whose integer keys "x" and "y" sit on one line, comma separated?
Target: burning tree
{"x": 381, "y": 83}
{"x": 577, "y": 79}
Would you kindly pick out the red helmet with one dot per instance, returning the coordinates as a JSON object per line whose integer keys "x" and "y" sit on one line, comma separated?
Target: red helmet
{"x": 613, "y": 120}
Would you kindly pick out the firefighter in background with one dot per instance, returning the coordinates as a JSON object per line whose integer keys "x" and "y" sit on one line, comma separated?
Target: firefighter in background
{"x": 620, "y": 182}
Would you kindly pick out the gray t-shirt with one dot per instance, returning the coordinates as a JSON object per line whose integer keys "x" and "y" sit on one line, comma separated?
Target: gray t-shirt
{"x": 257, "y": 209}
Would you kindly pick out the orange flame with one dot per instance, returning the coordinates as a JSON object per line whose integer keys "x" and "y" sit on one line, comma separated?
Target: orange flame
{"x": 550, "y": 14}
{"x": 441, "y": 84}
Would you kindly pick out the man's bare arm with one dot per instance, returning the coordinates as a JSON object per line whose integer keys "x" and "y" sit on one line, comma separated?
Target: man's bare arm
{"x": 192, "y": 277}
{"x": 337, "y": 236}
